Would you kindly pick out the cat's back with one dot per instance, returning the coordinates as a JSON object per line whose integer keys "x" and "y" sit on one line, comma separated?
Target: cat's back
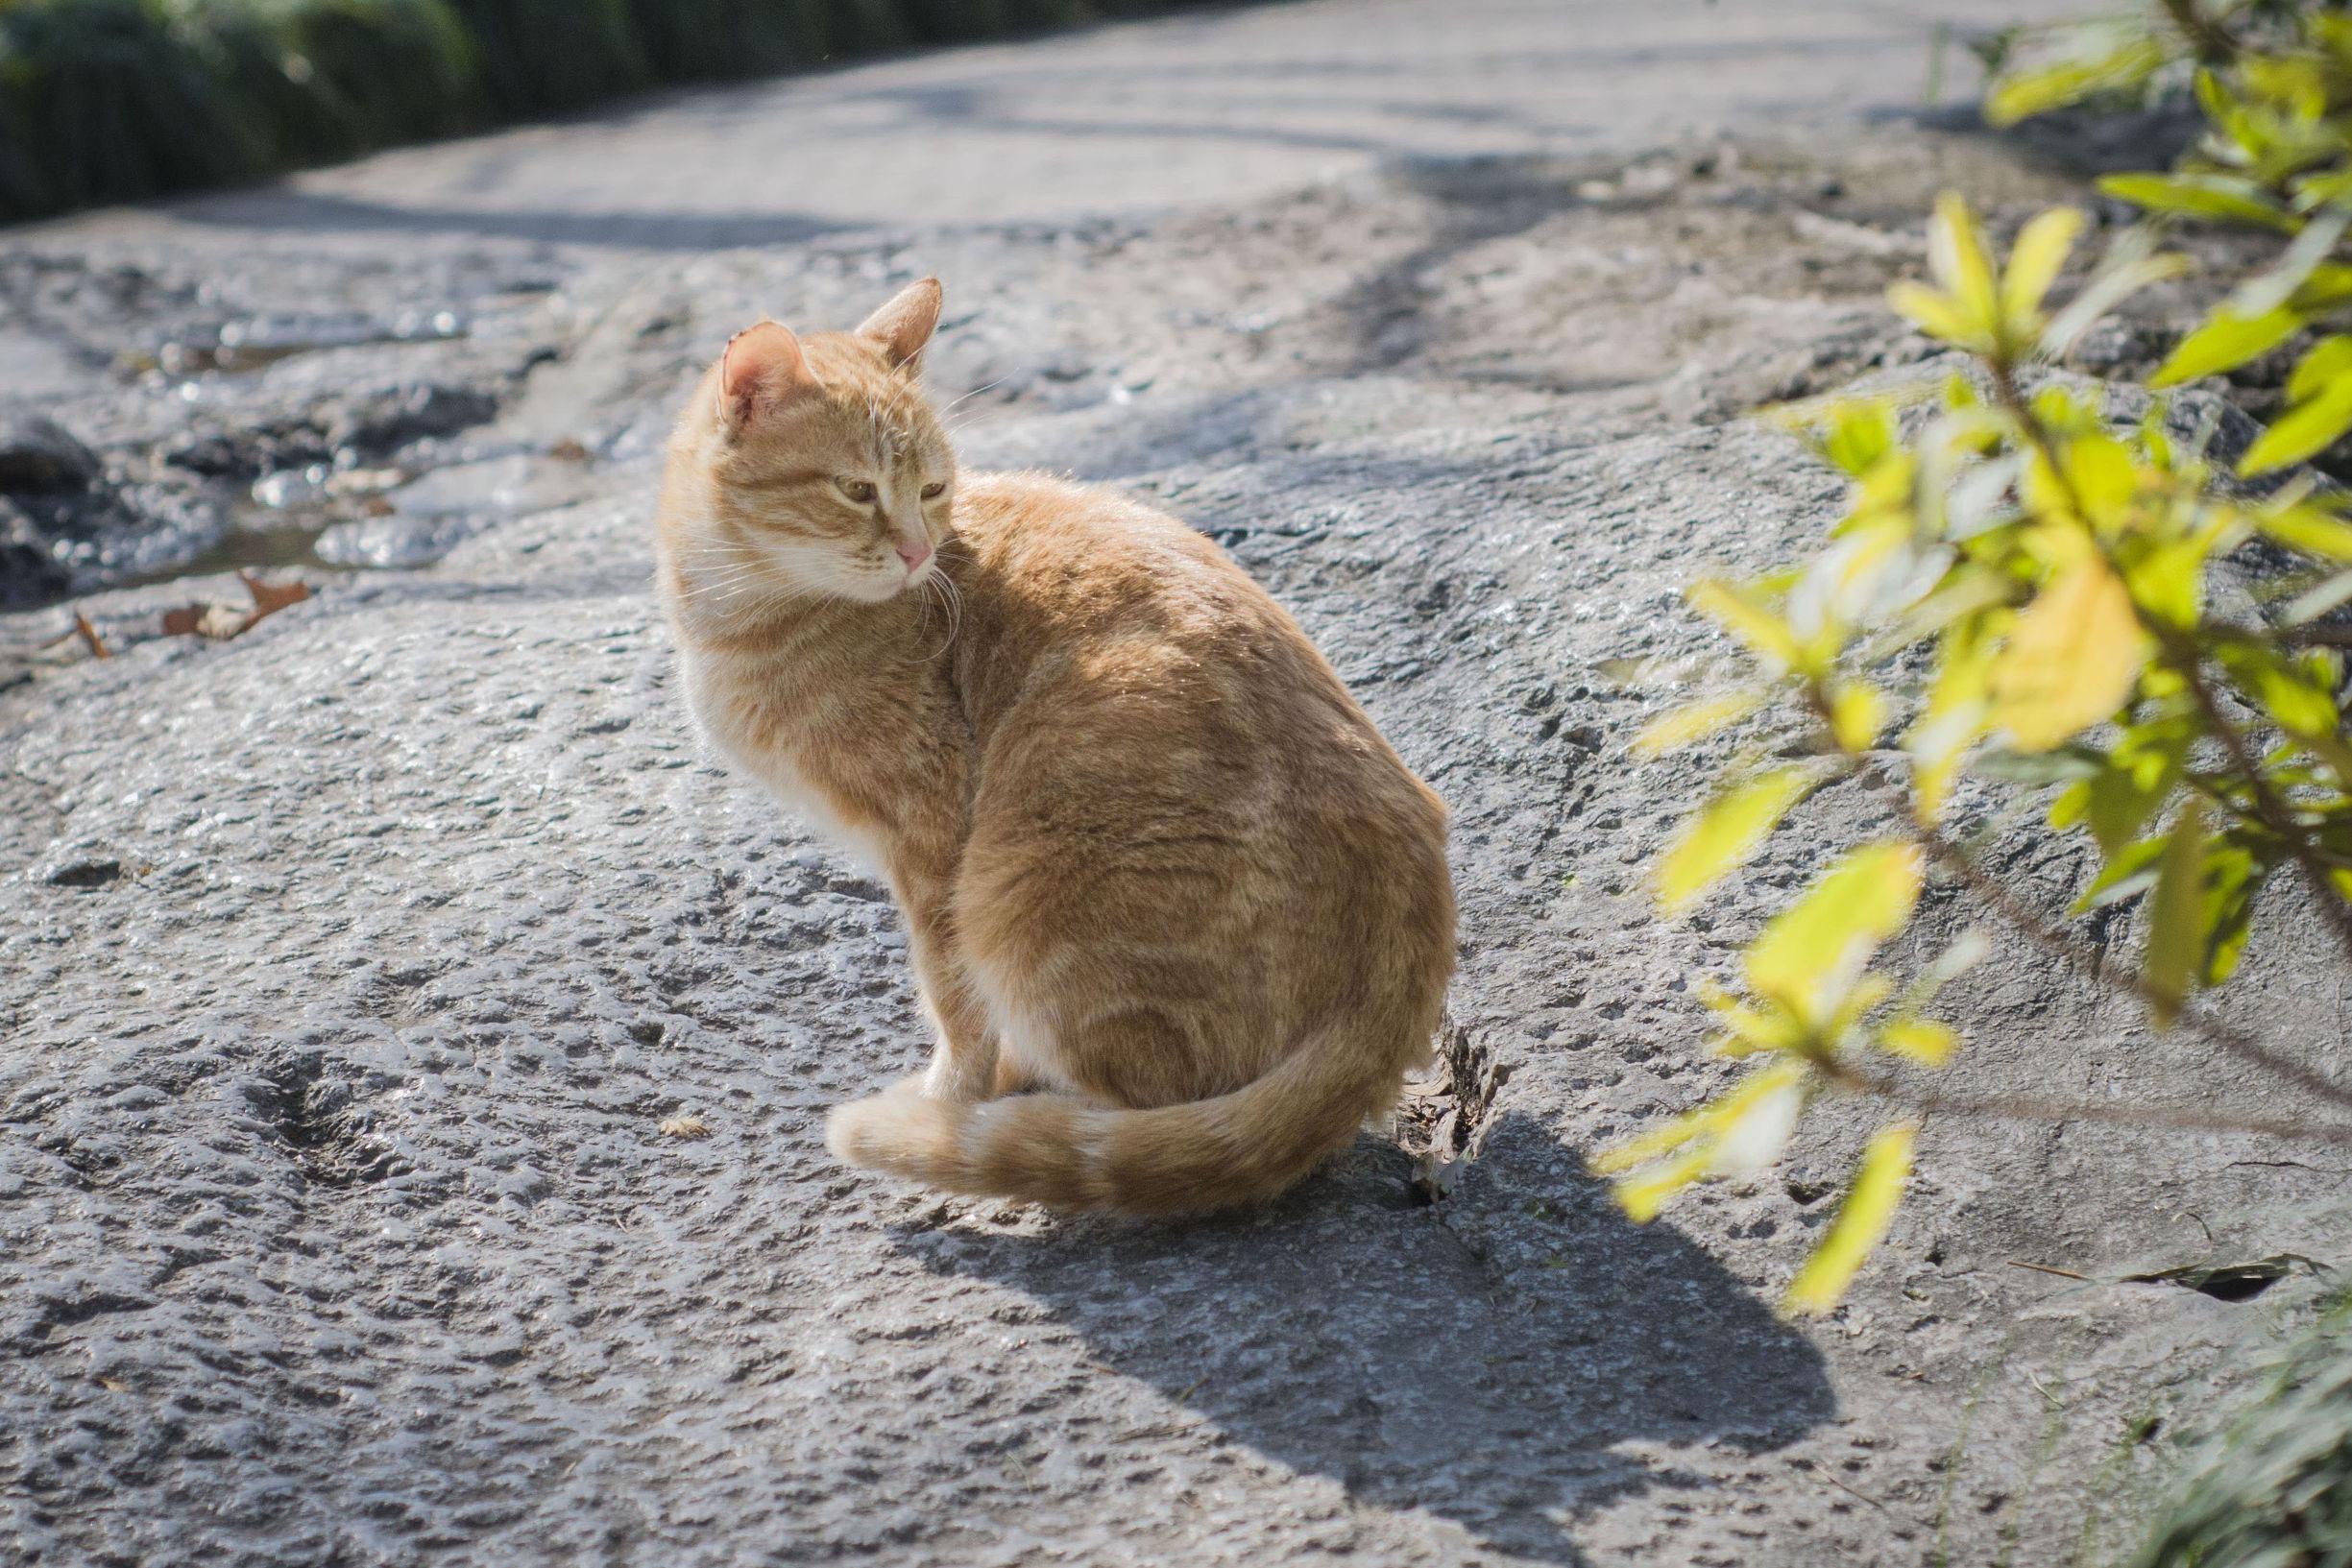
{"x": 1101, "y": 617}
{"x": 1075, "y": 577}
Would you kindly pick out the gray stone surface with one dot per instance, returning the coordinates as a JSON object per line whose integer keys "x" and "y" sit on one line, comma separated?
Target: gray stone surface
{"x": 350, "y": 970}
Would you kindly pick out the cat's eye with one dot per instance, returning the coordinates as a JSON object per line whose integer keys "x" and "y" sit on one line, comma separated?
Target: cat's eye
{"x": 860, "y": 491}
{"x": 932, "y": 491}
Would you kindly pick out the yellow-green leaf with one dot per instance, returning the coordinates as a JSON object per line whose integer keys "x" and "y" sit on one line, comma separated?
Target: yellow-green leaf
{"x": 2104, "y": 478}
{"x": 1809, "y": 957}
{"x": 2309, "y": 528}
{"x": 1709, "y": 1141}
{"x": 1742, "y": 613}
{"x": 2070, "y": 661}
{"x": 2018, "y": 95}
{"x": 2176, "y": 910}
{"x": 1726, "y": 832}
{"x": 2200, "y": 195}
{"x": 1643, "y": 1194}
{"x": 1693, "y": 721}
{"x": 1862, "y": 1223}
{"x": 2303, "y": 430}
{"x": 1958, "y": 255}
{"x": 1857, "y": 712}
{"x": 2329, "y": 360}
{"x": 1922, "y": 1040}
{"x": 1938, "y": 315}
{"x": 2225, "y": 342}
{"x": 1953, "y": 721}
{"x": 2041, "y": 249}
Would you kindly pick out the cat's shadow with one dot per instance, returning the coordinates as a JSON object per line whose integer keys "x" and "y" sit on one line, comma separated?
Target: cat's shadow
{"x": 1487, "y": 1360}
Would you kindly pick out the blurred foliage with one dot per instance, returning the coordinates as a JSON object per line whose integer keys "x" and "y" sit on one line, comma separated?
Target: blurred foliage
{"x": 116, "y": 99}
{"x": 2273, "y": 1489}
{"x": 2020, "y": 594}
{"x": 538, "y": 57}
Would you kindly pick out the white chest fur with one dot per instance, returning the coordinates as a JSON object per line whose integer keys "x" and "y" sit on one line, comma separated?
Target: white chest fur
{"x": 727, "y": 702}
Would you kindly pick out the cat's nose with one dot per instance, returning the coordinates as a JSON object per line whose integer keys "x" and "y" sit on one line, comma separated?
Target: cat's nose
{"x": 914, "y": 552}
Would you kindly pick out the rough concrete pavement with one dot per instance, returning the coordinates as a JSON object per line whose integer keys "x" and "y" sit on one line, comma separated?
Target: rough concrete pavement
{"x": 348, "y": 970}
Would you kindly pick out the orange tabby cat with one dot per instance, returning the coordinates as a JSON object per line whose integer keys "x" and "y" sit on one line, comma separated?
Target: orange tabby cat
{"x": 1181, "y": 917}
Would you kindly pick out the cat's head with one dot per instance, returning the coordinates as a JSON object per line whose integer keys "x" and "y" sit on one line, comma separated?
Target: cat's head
{"x": 815, "y": 467}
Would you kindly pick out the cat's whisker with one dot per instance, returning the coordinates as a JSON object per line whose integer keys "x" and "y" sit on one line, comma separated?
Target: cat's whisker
{"x": 985, "y": 386}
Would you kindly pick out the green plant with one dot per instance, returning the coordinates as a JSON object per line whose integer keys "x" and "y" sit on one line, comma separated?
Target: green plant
{"x": 715, "y": 40}
{"x": 98, "y": 102}
{"x": 538, "y": 57}
{"x": 2055, "y": 572}
{"x": 114, "y": 100}
{"x": 2273, "y": 1489}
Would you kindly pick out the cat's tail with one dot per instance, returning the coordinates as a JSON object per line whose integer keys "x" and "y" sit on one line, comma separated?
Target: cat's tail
{"x": 1072, "y": 1153}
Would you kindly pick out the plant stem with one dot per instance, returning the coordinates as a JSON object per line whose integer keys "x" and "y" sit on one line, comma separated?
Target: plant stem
{"x": 2096, "y": 963}
{"x": 2037, "y": 1108}
{"x": 2316, "y": 636}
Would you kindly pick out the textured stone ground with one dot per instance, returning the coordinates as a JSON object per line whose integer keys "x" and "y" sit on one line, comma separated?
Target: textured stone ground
{"x": 349, "y": 969}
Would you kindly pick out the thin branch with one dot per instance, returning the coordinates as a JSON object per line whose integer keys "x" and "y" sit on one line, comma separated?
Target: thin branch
{"x": 2038, "y": 1108}
{"x": 2316, "y": 636}
{"x": 2094, "y": 962}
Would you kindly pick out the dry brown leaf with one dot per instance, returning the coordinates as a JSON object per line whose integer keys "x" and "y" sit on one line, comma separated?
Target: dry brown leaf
{"x": 271, "y": 598}
{"x": 568, "y": 450}
{"x": 222, "y": 621}
{"x": 89, "y": 635}
{"x": 685, "y": 1127}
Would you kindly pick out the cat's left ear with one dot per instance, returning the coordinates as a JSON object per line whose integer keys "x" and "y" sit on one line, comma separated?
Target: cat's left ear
{"x": 904, "y": 324}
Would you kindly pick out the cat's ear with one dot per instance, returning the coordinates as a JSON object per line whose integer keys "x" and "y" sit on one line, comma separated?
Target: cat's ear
{"x": 763, "y": 370}
{"x": 904, "y": 324}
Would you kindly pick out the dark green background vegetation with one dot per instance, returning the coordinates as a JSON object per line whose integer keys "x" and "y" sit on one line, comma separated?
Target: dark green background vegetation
{"x": 115, "y": 100}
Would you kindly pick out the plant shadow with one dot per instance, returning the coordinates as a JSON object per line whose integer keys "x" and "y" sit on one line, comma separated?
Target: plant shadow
{"x": 1482, "y": 1360}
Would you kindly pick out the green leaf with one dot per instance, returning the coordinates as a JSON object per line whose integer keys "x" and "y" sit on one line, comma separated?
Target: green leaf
{"x": 2137, "y": 777}
{"x": 2200, "y": 195}
{"x": 2291, "y": 277}
{"x": 1694, "y": 721}
{"x": 2304, "y": 431}
{"x": 1724, "y": 834}
{"x": 2233, "y": 876}
{"x": 2225, "y": 342}
{"x": 2176, "y": 926}
{"x": 2129, "y": 872}
{"x": 1862, "y": 1223}
{"x": 2300, "y": 698}
{"x": 2063, "y": 765}
{"x": 1811, "y": 955}
{"x": 1861, "y": 432}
